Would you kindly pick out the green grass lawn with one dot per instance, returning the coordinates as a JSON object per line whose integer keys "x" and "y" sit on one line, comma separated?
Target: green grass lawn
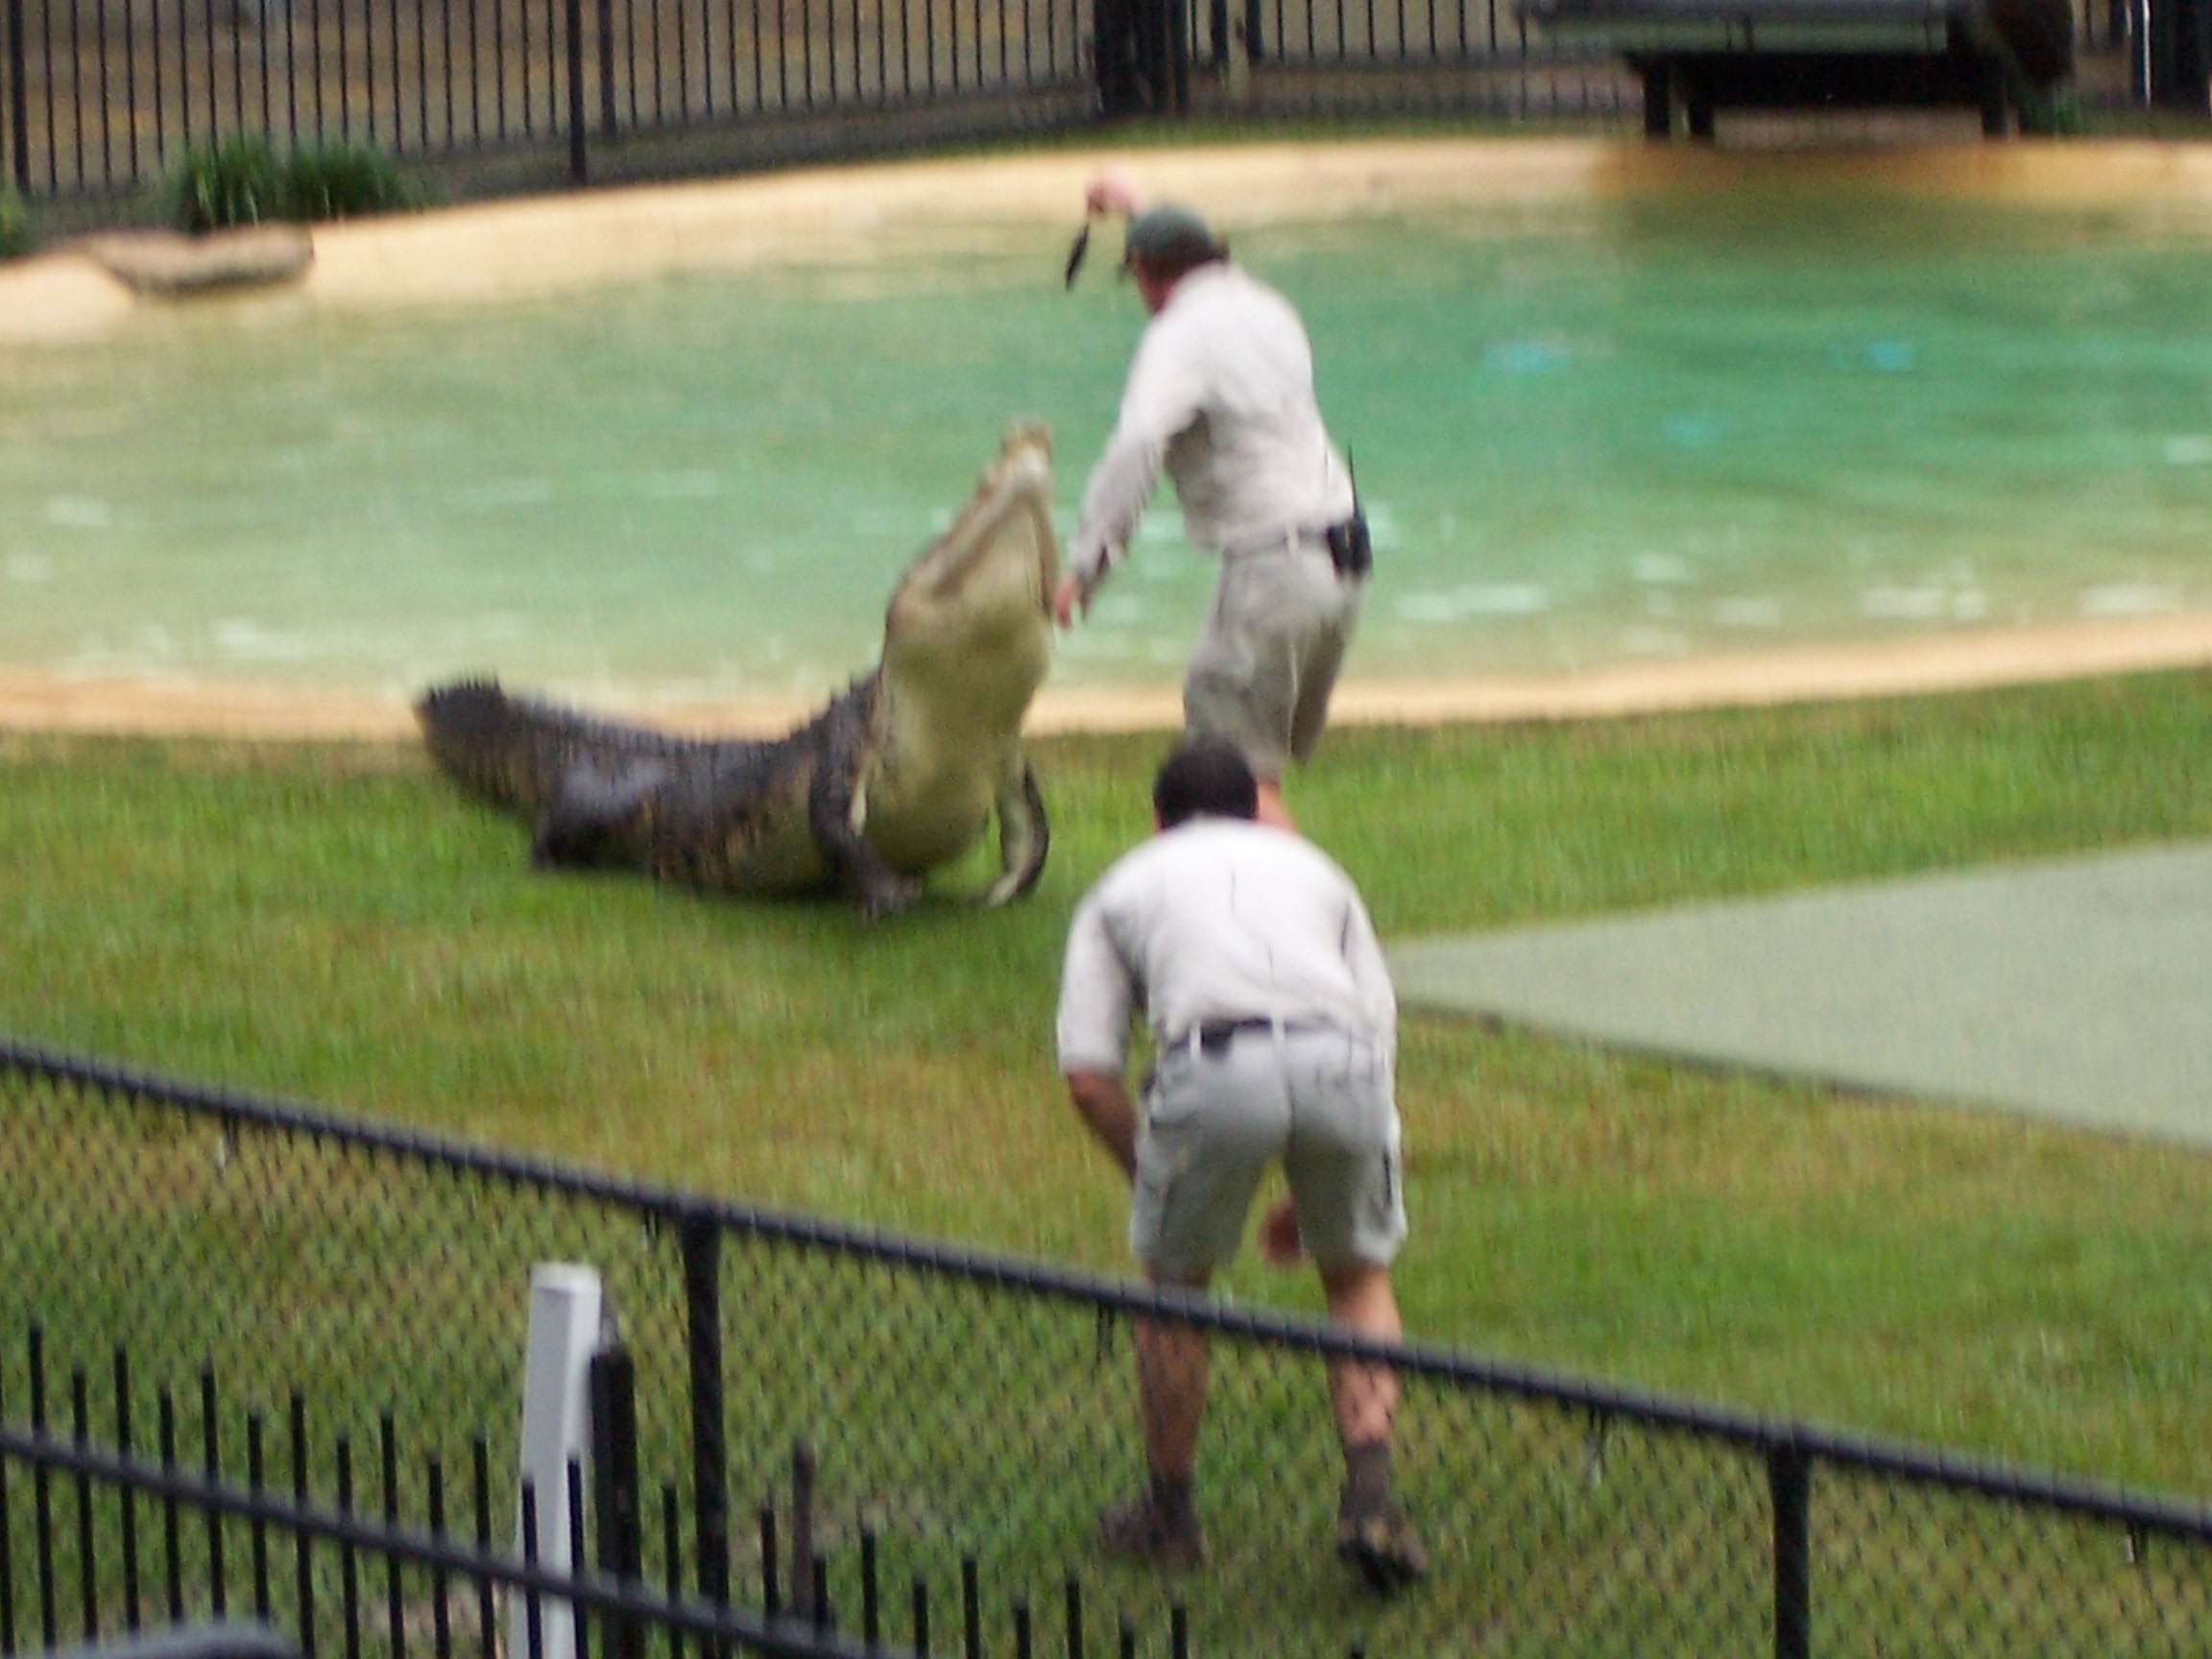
{"x": 331, "y": 923}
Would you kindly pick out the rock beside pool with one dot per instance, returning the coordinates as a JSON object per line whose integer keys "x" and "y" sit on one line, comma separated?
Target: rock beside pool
{"x": 169, "y": 263}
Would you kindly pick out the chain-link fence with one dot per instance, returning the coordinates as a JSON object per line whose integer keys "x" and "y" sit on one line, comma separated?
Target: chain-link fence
{"x": 960, "y": 1413}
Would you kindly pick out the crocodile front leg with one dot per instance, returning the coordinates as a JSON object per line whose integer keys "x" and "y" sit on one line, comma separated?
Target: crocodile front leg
{"x": 1025, "y": 836}
{"x": 837, "y": 813}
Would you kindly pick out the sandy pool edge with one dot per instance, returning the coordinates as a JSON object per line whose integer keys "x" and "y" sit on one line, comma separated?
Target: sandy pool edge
{"x": 534, "y": 245}
{"x": 38, "y": 701}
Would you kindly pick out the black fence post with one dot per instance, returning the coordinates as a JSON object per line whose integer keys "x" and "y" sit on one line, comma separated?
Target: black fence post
{"x": 618, "y": 1502}
{"x": 709, "y": 1439}
{"x": 42, "y": 1502}
{"x": 1176, "y": 19}
{"x": 1141, "y": 57}
{"x": 804, "y": 1604}
{"x": 573, "y": 19}
{"x": 606, "y": 69}
{"x": 1113, "y": 56}
{"x": 18, "y": 101}
{"x": 1790, "y": 1483}
{"x": 2181, "y": 55}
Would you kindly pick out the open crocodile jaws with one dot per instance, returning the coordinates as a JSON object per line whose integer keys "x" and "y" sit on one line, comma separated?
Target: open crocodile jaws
{"x": 899, "y": 776}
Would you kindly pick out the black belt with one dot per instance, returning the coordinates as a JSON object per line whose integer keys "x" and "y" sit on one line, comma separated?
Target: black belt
{"x": 1213, "y": 1036}
{"x": 1350, "y": 547}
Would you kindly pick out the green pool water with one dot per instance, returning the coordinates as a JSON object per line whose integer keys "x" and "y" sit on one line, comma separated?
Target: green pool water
{"x": 1652, "y": 424}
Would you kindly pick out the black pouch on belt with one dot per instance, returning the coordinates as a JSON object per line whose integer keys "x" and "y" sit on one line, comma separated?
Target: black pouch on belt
{"x": 1349, "y": 547}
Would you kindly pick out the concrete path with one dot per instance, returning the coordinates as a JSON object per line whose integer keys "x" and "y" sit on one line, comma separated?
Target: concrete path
{"x": 2077, "y": 990}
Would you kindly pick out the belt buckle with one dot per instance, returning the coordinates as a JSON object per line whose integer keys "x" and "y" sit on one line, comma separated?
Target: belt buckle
{"x": 1212, "y": 1036}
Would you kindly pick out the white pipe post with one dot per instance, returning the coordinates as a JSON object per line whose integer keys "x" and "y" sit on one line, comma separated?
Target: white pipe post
{"x": 565, "y": 1304}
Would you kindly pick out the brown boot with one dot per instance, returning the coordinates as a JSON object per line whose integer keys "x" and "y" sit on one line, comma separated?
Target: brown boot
{"x": 1382, "y": 1545}
{"x": 1372, "y": 1531}
{"x": 1161, "y": 1529}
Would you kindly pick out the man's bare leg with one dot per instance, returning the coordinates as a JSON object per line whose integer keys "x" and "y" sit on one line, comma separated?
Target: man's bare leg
{"x": 1171, "y": 1375}
{"x": 1372, "y": 1532}
{"x": 1162, "y": 1526}
{"x": 1365, "y": 1396}
{"x": 1271, "y": 808}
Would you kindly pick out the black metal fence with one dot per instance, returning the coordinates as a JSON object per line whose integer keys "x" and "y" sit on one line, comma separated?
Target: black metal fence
{"x": 143, "y": 1559}
{"x": 971, "y": 1409}
{"x": 103, "y": 96}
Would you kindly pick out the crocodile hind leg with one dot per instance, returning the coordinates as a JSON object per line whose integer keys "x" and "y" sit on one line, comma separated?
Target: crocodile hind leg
{"x": 594, "y": 819}
{"x": 1025, "y": 836}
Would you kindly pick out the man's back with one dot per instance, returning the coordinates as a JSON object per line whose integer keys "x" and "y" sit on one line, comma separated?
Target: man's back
{"x": 1222, "y": 919}
{"x": 1256, "y": 460}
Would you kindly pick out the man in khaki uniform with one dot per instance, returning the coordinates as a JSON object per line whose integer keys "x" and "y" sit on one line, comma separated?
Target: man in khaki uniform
{"x": 1220, "y": 397}
{"x": 1250, "y": 955}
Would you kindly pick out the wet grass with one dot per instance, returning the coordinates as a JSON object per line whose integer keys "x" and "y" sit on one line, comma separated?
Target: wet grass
{"x": 329, "y": 922}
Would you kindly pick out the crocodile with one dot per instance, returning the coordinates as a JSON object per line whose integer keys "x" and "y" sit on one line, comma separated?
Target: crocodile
{"x": 899, "y": 776}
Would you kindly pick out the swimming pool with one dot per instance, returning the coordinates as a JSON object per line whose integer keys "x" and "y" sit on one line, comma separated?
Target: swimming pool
{"x": 1749, "y": 404}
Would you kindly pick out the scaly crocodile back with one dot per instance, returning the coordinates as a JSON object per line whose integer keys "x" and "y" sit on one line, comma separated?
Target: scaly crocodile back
{"x": 512, "y": 752}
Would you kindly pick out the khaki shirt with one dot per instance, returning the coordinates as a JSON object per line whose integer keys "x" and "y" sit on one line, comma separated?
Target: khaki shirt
{"x": 1220, "y": 395}
{"x": 1219, "y": 919}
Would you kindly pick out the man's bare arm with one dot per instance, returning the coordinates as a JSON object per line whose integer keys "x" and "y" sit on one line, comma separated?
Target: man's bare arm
{"x": 1109, "y": 1114}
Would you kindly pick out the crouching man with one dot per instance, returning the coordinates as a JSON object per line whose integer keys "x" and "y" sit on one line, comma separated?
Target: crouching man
{"x": 1250, "y": 955}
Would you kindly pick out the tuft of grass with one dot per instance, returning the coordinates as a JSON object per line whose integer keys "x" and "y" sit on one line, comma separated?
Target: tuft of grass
{"x": 233, "y": 181}
{"x": 244, "y": 179}
{"x": 330, "y": 921}
{"x": 340, "y": 181}
{"x": 16, "y": 235}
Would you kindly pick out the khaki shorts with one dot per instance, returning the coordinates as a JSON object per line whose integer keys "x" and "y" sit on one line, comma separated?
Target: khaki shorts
{"x": 1267, "y": 663}
{"x": 1317, "y": 1100}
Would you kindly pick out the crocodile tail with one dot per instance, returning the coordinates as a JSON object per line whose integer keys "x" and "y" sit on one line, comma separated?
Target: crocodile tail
{"x": 512, "y": 752}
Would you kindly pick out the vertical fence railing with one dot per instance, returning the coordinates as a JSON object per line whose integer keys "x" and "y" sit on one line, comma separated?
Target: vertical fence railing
{"x": 73, "y": 1492}
{"x": 701, "y": 1247}
{"x": 105, "y": 95}
{"x": 1790, "y": 1491}
{"x": 572, "y": 15}
{"x": 19, "y": 98}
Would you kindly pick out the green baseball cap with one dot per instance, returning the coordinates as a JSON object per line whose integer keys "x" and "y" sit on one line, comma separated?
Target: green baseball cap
{"x": 1169, "y": 236}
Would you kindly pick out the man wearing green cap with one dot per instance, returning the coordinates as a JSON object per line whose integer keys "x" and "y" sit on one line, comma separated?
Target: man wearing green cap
{"x": 1220, "y": 397}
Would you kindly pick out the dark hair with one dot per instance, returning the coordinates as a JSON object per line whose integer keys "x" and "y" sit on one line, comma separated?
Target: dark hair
{"x": 1174, "y": 265}
{"x": 1168, "y": 240}
{"x": 1204, "y": 777}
